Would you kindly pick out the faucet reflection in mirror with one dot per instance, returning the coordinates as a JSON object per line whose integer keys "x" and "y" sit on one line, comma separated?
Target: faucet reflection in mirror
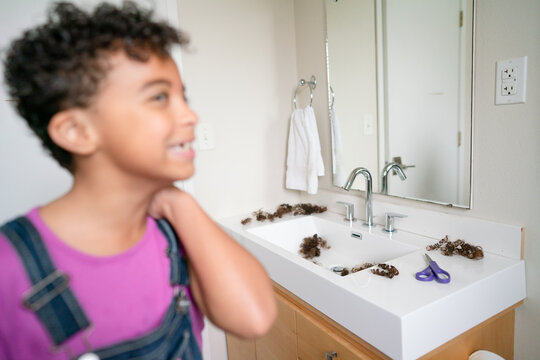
{"x": 407, "y": 64}
{"x": 384, "y": 177}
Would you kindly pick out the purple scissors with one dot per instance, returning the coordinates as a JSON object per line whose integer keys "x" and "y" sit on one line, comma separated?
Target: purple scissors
{"x": 433, "y": 271}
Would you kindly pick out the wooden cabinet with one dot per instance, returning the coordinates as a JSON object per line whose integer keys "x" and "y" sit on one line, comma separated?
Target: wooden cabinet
{"x": 300, "y": 332}
{"x": 278, "y": 344}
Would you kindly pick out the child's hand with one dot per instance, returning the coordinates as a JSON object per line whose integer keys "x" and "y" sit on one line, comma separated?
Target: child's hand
{"x": 163, "y": 200}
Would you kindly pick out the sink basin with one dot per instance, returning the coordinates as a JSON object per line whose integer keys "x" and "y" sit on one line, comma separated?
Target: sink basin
{"x": 349, "y": 246}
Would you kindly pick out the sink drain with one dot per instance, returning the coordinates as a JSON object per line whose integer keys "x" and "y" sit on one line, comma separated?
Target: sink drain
{"x": 337, "y": 269}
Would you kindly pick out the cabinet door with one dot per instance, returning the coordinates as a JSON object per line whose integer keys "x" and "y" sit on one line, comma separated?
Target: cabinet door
{"x": 316, "y": 339}
{"x": 280, "y": 342}
{"x": 238, "y": 349}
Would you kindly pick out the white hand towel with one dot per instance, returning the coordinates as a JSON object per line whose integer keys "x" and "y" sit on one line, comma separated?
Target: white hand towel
{"x": 315, "y": 161}
{"x": 304, "y": 160}
{"x": 297, "y": 153}
{"x": 338, "y": 171}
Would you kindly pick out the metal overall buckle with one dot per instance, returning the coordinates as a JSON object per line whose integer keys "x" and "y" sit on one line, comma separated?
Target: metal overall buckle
{"x": 182, "y": 301}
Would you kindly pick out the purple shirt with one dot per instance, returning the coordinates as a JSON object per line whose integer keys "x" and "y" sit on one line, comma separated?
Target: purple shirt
{"x": 124, "y": 296}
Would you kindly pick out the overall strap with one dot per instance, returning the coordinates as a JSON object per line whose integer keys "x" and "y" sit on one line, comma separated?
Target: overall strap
{"x": 179, "y": 269}
{"x": 50, "y": 296}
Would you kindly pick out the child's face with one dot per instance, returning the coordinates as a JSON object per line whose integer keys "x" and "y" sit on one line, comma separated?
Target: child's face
{"x": 144, "y": 125}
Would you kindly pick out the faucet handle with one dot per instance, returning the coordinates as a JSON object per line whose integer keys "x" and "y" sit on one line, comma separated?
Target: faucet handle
{"x": 389, "y": 223}
{"x": 349, "y": 210}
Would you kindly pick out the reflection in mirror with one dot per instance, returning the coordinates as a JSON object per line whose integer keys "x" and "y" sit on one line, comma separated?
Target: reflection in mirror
{"x": 400, "y": 74}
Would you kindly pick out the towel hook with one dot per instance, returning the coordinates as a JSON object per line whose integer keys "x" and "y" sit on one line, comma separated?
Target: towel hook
{"x": 312, "y": 85}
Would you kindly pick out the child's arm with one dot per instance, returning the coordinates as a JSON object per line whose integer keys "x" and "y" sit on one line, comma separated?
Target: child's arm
{"x": 230, "y": 286}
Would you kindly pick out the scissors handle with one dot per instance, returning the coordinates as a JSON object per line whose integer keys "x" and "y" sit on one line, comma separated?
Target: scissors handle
{"x": 425, "y": 275}
{"x": 439, "y": 274}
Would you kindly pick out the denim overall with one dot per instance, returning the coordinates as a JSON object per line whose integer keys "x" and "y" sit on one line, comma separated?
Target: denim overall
{"x": 51, "y": 299}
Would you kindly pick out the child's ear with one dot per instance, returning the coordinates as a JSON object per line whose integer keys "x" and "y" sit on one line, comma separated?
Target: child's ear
{"x": 73, "y": 131}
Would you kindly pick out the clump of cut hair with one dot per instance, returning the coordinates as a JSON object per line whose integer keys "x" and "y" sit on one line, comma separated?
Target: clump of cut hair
{"x": 458, "y": 247}
{"x": 61, "y": 64}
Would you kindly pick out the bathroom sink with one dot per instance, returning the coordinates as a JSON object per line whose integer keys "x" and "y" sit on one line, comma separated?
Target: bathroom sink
{"x": 349, "y": 246}
{"x": 387, "y": 313}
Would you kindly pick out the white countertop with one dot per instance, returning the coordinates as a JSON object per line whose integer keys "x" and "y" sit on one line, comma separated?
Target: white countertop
{"x": 402, "y": 317}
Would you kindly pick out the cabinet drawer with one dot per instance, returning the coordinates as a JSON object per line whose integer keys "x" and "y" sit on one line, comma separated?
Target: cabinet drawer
{"x": 316, "y": 339}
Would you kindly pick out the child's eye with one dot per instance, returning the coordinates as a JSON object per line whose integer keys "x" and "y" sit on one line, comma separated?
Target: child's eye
{"x": 161, "y": 97}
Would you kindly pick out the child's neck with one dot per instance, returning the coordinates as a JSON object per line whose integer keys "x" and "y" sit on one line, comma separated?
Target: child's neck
{"x": 103, "y": 219}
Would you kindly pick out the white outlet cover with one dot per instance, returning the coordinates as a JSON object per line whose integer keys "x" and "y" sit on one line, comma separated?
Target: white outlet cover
{"x": 514, "y": 71}
{"x": 205, "y": 136}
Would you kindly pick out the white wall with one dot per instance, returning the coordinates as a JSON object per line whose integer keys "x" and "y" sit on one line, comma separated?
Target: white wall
{"x": 240, "y": 73}
{"x": 506, "y": 145}
{"x": 506, "y": 168}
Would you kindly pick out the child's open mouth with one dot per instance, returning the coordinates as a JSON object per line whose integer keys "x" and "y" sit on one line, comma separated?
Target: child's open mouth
{"x": 184, "y": 150}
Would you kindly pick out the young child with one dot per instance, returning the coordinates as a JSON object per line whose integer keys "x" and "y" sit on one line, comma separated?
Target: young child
{"x": 93, "y": 272}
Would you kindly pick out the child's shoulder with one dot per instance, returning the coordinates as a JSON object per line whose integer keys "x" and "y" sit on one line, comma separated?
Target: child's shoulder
{"x": 8, "y": 254}
{"x": 13, "y": 278}
{"x": 13, "y": 272}
{"x": 7, "y": 251}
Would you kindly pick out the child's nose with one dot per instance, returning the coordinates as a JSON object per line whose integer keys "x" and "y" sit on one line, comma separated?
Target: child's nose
{"x": 191, "y": 117}
{"x": 187, "y": 116}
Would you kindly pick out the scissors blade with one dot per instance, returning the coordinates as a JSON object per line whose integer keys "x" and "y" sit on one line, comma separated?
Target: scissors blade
{"x": 429, "y": 259}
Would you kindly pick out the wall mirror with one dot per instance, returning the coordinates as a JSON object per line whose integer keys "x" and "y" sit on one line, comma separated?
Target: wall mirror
{"x": 400, "y": 88}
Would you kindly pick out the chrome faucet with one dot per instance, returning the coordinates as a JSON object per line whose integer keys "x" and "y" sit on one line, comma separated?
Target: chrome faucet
{"x": 347, "y": 187}
{"x": 387, "y": 168}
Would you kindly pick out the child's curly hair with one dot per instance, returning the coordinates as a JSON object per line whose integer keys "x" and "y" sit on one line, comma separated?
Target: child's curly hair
{"x": 60, "y": 64}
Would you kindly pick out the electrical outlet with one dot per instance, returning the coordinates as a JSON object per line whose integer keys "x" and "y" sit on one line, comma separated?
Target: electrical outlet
{"x": 508, "y": 73}
{"x": 509, "y": 87}
{"x": 205, "y": 136}
{"x": 511, "y": 81}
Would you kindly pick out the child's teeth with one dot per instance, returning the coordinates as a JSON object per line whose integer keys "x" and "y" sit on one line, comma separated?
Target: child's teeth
{"x": 181, "y": 147}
